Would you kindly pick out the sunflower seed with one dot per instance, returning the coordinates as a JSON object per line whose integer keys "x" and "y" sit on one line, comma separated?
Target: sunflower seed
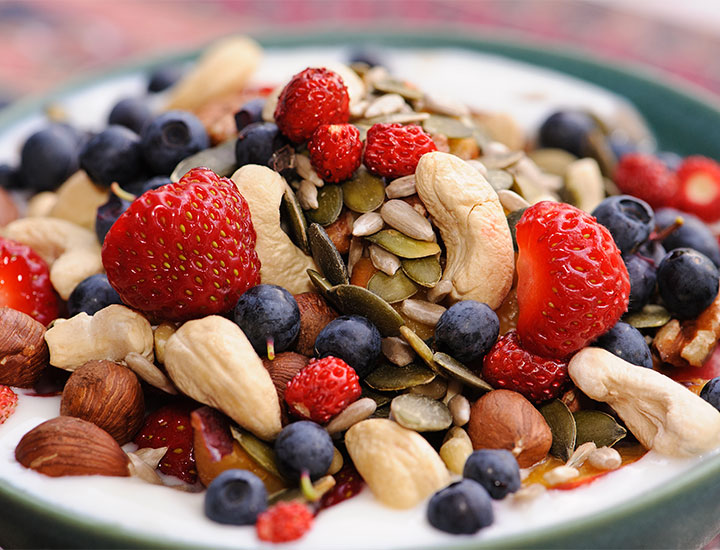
{"x": 454, "y": 387}
{"x": 500, "y": 179}
{"x": 422, "y": 311}
{"x": 307, "y": 195}
{"x": 305, "y": 170}
{"x": 394, "y": 86}
{"x": 552, "y": 161}
{"x": 355, "y": 253}
{"x": 561, "y": 474}
{"x": 446, "y": 126}
{"x": 581, "y": 454}
{"x": 605, "y": 458}
{"x": 401, "y": 187}
{"x": 367, "y": 224}
{"x": 528, "y": 493}
{"x": 501, "y": 160}
{"x": 439, "y": 291}
{"x": 460, "y": 410}
{"x": 445, "y": 106}
{"x": 397, "y": 351}
{"x": 404, "y": 218}
{"x": 386, "y": 105}
{"x": 352, "y": 414}
{"x": 511, "y": 201}
{"x": 374, "y": 75}
{"x": 358, "y": 109}
{"x": 456, "y": 450}
{"x": 479, "y": 166}
{"x": 383, "y": 260}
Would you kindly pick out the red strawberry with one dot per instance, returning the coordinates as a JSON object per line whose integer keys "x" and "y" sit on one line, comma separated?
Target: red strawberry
{"x": 508, "y": 366}
{"x": 646, "y": 177}
{"x": 283, "y": 522}
{"x": 311, "y": 98}
{"x": 8, "y": 402}
{"x": 185, "y": 250}
{"x": 25, "y": 282}
{"x": 322, "y": 389}
{"x": 393, "y": 150}
{"x": 335, "y": 151}
{"x": 572, "y": 282}
{"x": 699, "y": 187}
{"x": 169, "y": 426}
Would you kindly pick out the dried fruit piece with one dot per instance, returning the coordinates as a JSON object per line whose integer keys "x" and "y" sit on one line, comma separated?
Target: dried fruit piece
{"x": 8, "y": 402}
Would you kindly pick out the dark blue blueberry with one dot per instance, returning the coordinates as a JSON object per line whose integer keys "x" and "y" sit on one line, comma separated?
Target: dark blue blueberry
{"x": 113, "y": 155}
{"x": 303, "y": 446}
{"x": 236, "y": 497}
{"x": 131, "y": 112}
{"x": 711, "y": 392}
{"x": 643, "y": 276}
{"x": 652, "y": 250}
{"x": 141, "y": 186}
{"x": 9, "y": 177}
{"x": 693, "y": 233}
{"x": 367, "y": 55}
{"x": 164, "y": 77}
{"x": 270, "y": 318}
{"x": 687, "y": 281}
{"x": 621, "y": 145}
{"x": 567, "y": 130}
{"x": 257, "y": 142}
{"x": 353, "y": 339}
{"x": 496, "y": 470}
{"x": 628, "y": 343}
{"x": 107, "y": 215}
{"x": 249, "y": 113}
{"x": 171, "y": 137}
{"x": 49, "y": 157}
{"x": 629, "y": 220}
{"x": 462, "y": 508}
{"x": 467, "y": 330}
{"x": 91, "y": 295}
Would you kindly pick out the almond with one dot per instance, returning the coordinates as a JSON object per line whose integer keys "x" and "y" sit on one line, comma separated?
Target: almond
{"x": 23, "y": 351}
{"x": 283, "y": 368}
{"x": 315, "y": 314}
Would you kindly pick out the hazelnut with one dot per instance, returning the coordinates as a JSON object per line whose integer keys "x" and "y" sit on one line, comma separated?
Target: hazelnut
{"x": 23, "y": 351}
{"x": 315, "y": 313}
{"x": 283, "y": 368}
{"x": 340, "y": 231}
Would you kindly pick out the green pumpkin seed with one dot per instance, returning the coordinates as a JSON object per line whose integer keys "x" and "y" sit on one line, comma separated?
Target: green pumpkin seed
{"x": 423, "y": 271}
{"x": 381, "y": 399}
{"x": 597, "y": 147}
{"x": 402, "y": 245}
{"x": 321, "y": 486}
{"x": 326, "y": 255}
{"x": 363, "y": 192}
{"x": 330, "y": 203}
{"x": 381, "y": 412}
{"x": 563, "y": 428}
{"x": 353, "y": 299}
{"x": 449, "y": 366}
{"x": 551, "y": 160}
{"x": 260, "y": 451}
{"x": 419, "y": 347}
{"x": 293, "y": 213}
{"x": 651, "y": 316}
{"x": 420, "y": 413}
{"x": 389, "y": 377}
{"x": 220, "y": 159}
{"x": 500, "y": 179}
{"x": 481, "y": 137}
{"x": 513, "y": 218}
{"x": 598, "y": 427}
{"x": 321, "y": 283}
{"x": 394, "y": 86}
{"x": 392, "y": 288}
{"x": 448, "y": 126}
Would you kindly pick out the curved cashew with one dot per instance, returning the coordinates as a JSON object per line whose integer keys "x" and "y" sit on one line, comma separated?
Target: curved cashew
{"x": 662, "y": 414}
{"x": 281, "y": 262}
{"x": 78, "y": 200}
{"x": 466, "y": 209}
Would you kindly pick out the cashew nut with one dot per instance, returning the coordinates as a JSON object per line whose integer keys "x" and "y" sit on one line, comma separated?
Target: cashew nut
{"x": 78, "y": 200}
{"x": 212, "y": 361}
{"x": 466, "y": 209}
{"x": 662, "y": 414}
{"x": 111, "y": 334}
{"x": 281, "y": 262}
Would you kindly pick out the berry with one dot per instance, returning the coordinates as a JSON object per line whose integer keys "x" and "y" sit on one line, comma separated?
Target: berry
{"x": 699, "y": 187}
{"x": 693, "y": 233}
{"x": 250, "y": 112}
{"x": 153, "y": 183}
{"x": 366, "y": 56}
{"x": 257, "y": 142}
{"x": 509, "y": 366}
{"x": 628, "y": 343}
{"x": 394, "y": 150}
{"x": 567, "y": 130}
{"x": 335, "y": 151}
{"x": 710, "y": 392}
{"x": 304, "y": 447}
{"x": 496, "y": 470}
{"x": 687, "y": 282}
{"x": 462, "y": 508}
{"x": 107, "y": 215}
{"x": 467, "y": 330}
{"x": 322, "y": 389}
{"x": 652, "y": 250}
{"x": 25, "y": 282}
{"x": 235, "y": 497}
{"x": 170, "y": 427}
{"x": 311, "y": 98}
{"x": 49, "y": 157}
{"x": 270, "y": 318}
{"x": 132, "y": 112}
{"x": 348, "y": 484}
{"x": 572, "y": 283}
{"x": 185, "y": 250}
{"x": 353, "y": 339}
{"x": 629, "y": 220}
{"x": 91, "y": 295}
{"x": 643, "y": 277}
{"x": 9, "y": 177}
{"x": 646, "y": 177}
{"x": 8, "y": 402}
{"x": 113, "y": 155}
{"x": 283, "y": 522}
{"x": 164, "y": 77}
{"x": 171, "y": 137}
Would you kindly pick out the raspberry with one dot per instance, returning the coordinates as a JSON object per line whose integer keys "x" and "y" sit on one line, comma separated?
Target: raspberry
{"x": 284, "y": 522}
{"x": 699, "y": 187}
{"x": 393, "y": 150}
{"x": 8, "y": 402}
{"x": 311, "y": 98}
{"x": 322, "y": 389}
{"x": 647, "y": 178}
{"x": 572, "y": 282}
{"x": 335, "y": 151}
{"x": 508, "y": 366}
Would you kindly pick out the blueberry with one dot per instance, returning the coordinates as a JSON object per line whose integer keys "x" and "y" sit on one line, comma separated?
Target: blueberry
{"x": 141, "y": 186}
{"x": 652, "y": 250}
{"x": 235, "y": 497}
{"x": 496, "y": 470}
{"x": 353, "y": 339}
{"x": 49, "y": 157}
{"x": 629, "y": 220}
{"x": 303, "y": 446}
{"x": 164, "y": 77}
{"x": 467, "y": 330}
{"x": 643, "y": 276}
{"x": 367, "y": 55}
{"x": 249, "y": 113}
{"x": 91, "y": 295}
{"x": 628, "y": 343}
{"x": 171, "y": 137}
{"x": 132, "y": 112}
{"x": 693, "y": 233}
{"x": 567, "y": 130}
{"x": 113, "y": 155}
{"x": 687, "y": 282}
{"x": 270, "y": 318}
{"x": 9, "y": 177}
{"x": 711, "y": 392}
{"x": 107, "y": 215}
{"x": 462, "y": 508}
{"x": 257, "y": 142}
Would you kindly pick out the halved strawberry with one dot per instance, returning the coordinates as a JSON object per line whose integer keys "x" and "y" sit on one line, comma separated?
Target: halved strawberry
{"x": 699, "y": 187}
{"x": 8, "y": 402}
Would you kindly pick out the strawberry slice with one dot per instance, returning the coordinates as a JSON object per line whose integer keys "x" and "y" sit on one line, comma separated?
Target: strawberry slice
{"x": 8, "y": 402}
{"x": 699, "y": 187}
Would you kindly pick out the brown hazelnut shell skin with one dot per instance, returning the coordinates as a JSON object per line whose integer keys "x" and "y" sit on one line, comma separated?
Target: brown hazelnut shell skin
{"x": 24, "y": 354}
